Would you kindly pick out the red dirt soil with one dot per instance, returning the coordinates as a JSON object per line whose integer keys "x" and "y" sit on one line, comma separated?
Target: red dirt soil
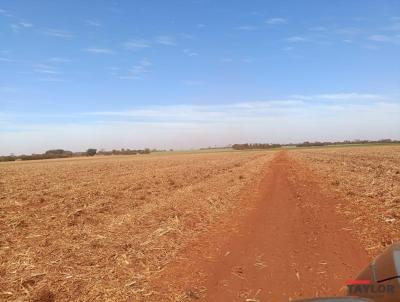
{"x": 291, "y": 245}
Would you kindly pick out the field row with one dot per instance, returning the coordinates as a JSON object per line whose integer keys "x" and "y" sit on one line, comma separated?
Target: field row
{"x": 368, "y": 180}
{"x": 101, "y": 229}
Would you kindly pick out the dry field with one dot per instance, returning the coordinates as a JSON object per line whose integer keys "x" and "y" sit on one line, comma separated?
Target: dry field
{"x": 100, "y": 229}
{"x": 108, "y": 228}
{"x": 367, "y": 179}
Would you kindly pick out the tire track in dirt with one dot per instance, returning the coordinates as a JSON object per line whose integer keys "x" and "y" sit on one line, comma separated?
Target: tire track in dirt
{"x": 292, "y": 245}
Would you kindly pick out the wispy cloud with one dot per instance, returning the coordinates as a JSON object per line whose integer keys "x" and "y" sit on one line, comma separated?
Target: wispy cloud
{"x": 296, "y": 39}
{"x": 129, "y": 77}
{"x": 58, "y": 33}
{"x": 59, "y": 60}
{"x": 92, "y": 23}
{"x": 248, "y": 60}
{"x": 2, "y": 59}
{"x": 275, "y": 21}
{"x": 51, "y": 79}
{"x": 47, "y": 73}
{"x": 136, "y": 72}
{"x": 255, "y": 110}
{"x": 226, "y": 60}
{"x": 165, "y": 40}
{"x": 26, "y": 24}
{"x": 5, "y": 13}
{"x": 395, "y": 26}
{"x": 186, "y": 36}
{"x": 45, "y": 69}
{"x": 349, "y": 31}
{"x": 350, "y": 96}
{"x": 192, "y": 83}
{"x": 97, "y": 50}
{"x": 137, "y": 44}
{"x": 319, "y": 28}
{"x": 385, "y": 38}
{"x": 8, "y": 89}
{"x": 190, "y": 53}
{"x": 16, "y": 27}
{"x": 247, "y": 27}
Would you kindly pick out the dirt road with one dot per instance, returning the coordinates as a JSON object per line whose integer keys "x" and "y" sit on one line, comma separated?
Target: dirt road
{"x": 292, "y": 245}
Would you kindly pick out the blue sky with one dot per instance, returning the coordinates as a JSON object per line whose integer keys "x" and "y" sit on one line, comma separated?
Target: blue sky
{"x": 184, "y": 74}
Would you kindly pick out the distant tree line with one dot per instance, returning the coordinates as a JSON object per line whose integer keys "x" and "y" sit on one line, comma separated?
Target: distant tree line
{"x": 313, "y": 144}
{"x": 60, "y": 153}
{"x": 125, "y": 152}
{"x": 56, "y": 153}
{"x": 255, "y": 146}
{"x": 348, "y": 142}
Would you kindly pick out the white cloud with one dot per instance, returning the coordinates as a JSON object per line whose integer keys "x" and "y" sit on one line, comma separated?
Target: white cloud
{"x": 5, "y": 13}
{"x": 2, "y": 59}
{"x": 384, "y": 38}
{"x": 226, "y": 60}
{"x": 44, "y": 68}
{"x": 96, "y": 50}
{"x": 379, "y": 38}
{"x": 296, "y": 39}
{"x": 192, "y": 83}
{"x": 274, "y": 21}
{"x": 248, "y": 60}
{"x": 128, "y": 77}
{"x": 288, "y": 48}
{"x": 58, "y": 33}
{"x": 8, "y": 89}
{"x": 186, "y": 36}
{"x": 393, "y": 27}
{"x": 255, "y": 109}
{"x": 16, "y": 27}
{"x": 136, "y": 72}
{"x": 92, "y": 23}
{"x": 59, "y": 60}
{"x": 165, "y": 40}
{"x": 26, "y": 24}
{"x": 137, "y": 44}
{"x": 247, "y": 27}
{"x": 47, "y": 71}
{"x": 51, "y": 79}
{"x": 349, "y": 31}
{"x": 139, "y": 69}
{"x": 190, "y": 53}
{"x": 145, "y": 62}
{"x": 319, "y": 29}
{"x": 351, "y": 96}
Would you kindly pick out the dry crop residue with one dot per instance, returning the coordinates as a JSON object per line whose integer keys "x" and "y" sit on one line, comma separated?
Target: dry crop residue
{"x": 368, "y": 179}
{"x": 102, "y": 228}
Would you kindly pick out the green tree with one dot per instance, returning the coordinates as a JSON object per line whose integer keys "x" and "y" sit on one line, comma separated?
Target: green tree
{"x": 91, "y": 152}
